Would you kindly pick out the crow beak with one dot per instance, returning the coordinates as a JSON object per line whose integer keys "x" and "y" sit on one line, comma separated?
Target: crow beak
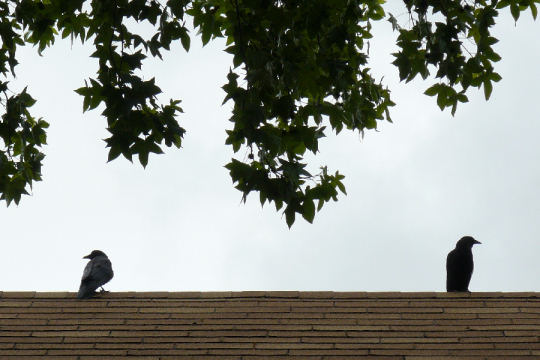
{"x": 477, "y": 242}
{"x": 86, "y": 257}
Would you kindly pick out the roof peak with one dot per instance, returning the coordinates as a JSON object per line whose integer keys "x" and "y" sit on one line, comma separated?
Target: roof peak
{"x": 271, "y": 294}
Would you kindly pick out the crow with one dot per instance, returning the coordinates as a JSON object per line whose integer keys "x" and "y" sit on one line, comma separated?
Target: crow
{"x": 459, "y": 265}
{"x": 97, "y": 273}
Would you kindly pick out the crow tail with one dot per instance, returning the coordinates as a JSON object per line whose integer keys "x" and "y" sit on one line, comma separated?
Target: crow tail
{"x": 85, "y": 292}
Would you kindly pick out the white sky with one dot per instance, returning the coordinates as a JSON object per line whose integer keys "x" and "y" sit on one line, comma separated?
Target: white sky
{"x": 414, "y": 188}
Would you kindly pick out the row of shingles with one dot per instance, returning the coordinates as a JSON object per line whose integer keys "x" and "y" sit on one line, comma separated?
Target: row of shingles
{"x": 97, "y": 327}
{"x": 18, "y": 323}
{"x": 266, "y": 334}
{"x": 63, "y": 326}
{"x": 336, "y": 327}
{"x": 104, "y": 327}
{"x": 261, "y": 330}
{"x": 487, "y": 330}
{"x": 486, "y": 321}
{"x": 518, "y": 318}
{"x": 44, "y": 321}
{"x": 523, "y": 334}
{"x": 357, "y": 327}
{"x": 112, "y": 327}
{"x": 94, "y": 326}
{"x": 313, "y": 320}
{"x": 210, "y": 326}
{"x": 486, "y": 324}
{"x": 475, "y": 323}
{"x": 147, "y": 319}
{"x": 301, "y": 348}
{"x": 429, "y": 334}
{"x": 226, "y": 314}
{"x": 10, "y": 334}
{"x": 269, "y": 320}
{"x": 367, "y": 322}
{"x": 484, "y": 327}
{"x": 204, "y": 337}
{"x": 169, "y": 320}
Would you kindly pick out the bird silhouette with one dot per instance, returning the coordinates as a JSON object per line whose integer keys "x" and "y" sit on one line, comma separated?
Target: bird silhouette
{"x": 460, "y": 265}
{"x": 97, "y": 273}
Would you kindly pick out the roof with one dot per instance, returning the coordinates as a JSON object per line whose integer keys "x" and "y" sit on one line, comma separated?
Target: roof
{"x": 271, "y": 325}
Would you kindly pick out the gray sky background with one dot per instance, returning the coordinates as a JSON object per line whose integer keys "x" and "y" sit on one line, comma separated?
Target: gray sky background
{"x": 414, "y": 188}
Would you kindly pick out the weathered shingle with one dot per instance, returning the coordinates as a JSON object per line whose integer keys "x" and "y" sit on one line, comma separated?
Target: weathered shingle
{"x": 270, "y": 325}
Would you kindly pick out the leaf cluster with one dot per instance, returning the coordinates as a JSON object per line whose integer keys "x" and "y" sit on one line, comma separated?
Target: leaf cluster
{"x": 454, "y": 39}
{"x": 300, "y": 69}
{"x": 21, "y": 135}
{"x": 20, "y": 158}
{"x": 137, "y": 123}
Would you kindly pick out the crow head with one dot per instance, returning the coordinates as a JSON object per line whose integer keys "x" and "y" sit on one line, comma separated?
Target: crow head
{"x": 94, "y": 254}
{"x": 466, "y": 242}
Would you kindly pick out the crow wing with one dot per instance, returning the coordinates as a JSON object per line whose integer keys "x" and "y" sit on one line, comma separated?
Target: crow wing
{"x": 459, "y": 269}
{"x": 96, "y": 273}
{"x": 87, "y": 273}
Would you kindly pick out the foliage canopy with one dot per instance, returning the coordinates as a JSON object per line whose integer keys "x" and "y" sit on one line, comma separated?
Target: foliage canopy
{"x": 298, "y": 67}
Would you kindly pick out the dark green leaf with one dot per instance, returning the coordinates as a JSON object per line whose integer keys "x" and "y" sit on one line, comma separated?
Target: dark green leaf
{"x": 308, "y": 211}
{"x": 289, "y": 216}
{"x": 488, "y": 88}
{"x": 514, "y": 9}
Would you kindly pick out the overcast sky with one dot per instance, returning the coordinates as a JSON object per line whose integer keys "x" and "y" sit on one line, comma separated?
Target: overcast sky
{"x": 414, "y": 188}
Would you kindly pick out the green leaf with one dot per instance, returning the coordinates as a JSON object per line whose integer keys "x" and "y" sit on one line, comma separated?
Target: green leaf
{"x": 114, "y": 152}
{"x": 262, "y": 197}
{"x": 341, "y": 187}
{"x": 308, "y": 210}
{"x": 488, "y": 88}
{"x": 205, "y": 37}
{"x": 441, "y": 100}
{"x": 534, "y": 10}
{"x": 143, "y": 158}
{"x": 86, "y": 103}
{"x": 454, "y": 108}
{"x": 433, "y": 90}
{"x": 514, "y": 9}
{"x": 320, "y": 205}
{"x": 186, "y": 41}
{"x": 495, "y": 77}
{"x": 289, "y": 216}
{"x": 503, "y": 3}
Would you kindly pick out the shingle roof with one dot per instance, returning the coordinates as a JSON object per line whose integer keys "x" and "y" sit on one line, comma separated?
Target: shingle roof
{"x": 271, "y": 325}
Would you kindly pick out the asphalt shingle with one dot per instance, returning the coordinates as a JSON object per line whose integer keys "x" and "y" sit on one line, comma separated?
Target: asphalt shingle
{"x": 270, "y": 325}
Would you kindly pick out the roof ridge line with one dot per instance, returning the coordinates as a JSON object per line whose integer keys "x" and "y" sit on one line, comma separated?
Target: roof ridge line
{"x": 271, "y": 294}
